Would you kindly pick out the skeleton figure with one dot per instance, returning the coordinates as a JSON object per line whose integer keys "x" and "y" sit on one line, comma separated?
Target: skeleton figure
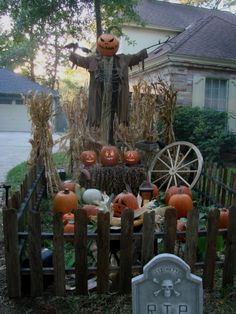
{"x": 167, "y": 287}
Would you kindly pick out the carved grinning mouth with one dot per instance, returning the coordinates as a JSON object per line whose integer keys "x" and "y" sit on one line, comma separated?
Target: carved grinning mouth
{"x": 108, "y": 48}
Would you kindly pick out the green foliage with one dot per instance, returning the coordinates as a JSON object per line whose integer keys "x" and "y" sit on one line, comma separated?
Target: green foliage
{"x": 49, "y": 25}
{"x": 205, "y": 128}
{"x": 16, "y": 176}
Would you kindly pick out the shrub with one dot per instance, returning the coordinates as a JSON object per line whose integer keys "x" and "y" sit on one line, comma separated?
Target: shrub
{"x": 205, "y": 128}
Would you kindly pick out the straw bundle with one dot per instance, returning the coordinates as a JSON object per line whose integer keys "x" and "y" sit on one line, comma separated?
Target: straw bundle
{"x": 143, "y": 117}
{"x": 151, "y": 104}
{"x": 40, "y": 110}
{"x": 166, "y": 108}
{"x": 79, "y": 137}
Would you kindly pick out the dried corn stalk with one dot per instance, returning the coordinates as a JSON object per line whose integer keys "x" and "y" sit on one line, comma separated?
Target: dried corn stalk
{"x": 143, "y": 117}
{"x": 151, "y": 104}
{"x": 40, "y": 110}
{"x": 166, "y": 108}
{"x": 80, "y": 137}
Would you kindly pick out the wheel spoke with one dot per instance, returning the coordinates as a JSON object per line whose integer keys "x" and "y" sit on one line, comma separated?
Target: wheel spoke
{"x": 163, "y": 183}
{"x": 158, "y": 179}
{"x": 164, "y": 171}
{"x": 189, "y": 163}
{"x": 168, "y": 185}
{"x": 170, "y": 159}
{"x": 186, "y": 171}
{"x": 168, "y": 166}
{"x": 177, "y": 154}
{"x": 182, "y": 179}
{"x": 184, "y": 157}
{"x": 175, "y": 180}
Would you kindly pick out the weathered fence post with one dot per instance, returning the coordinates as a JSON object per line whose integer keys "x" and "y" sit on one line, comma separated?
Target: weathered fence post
{"x": 234, "y": 187}
{"x": 81, "y": 250}
{"x": 223, "y": 192}
{"x": 35, "y": 260}
{"x": 58, "y": 255}
{"x": 210, "y": 258}
{"x": 148, "y": 236}
{"x": 103, "y": 245}
{"x": 10, "y": 230}
{"x": 230, "y": 251}
{"x": 170, "y": 230}
{"x": 190, "y": 254}
{"x": 126, "y": 240}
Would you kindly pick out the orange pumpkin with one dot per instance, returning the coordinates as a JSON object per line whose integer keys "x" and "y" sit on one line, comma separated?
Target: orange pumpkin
{"x": 182, "y": 202}
{"x": 69, "y": 227}
{"x": 122, "y": 201}
{"x": 67, "y": 217}
{"x": 109, "y": 156}
{"x": 155, "y": 191}
{"x": 65, "y": 201}
{"x": 91, "y": 210}
{"x": 177, "y": 190}
{"x": 181, "y": 226}
{"x": 224, "y": 218}
{"x": 88, "y": 157}
{"x": 107, "y": 45}
{"x": 131, "y": 157}
{"x": 69, "y": 185}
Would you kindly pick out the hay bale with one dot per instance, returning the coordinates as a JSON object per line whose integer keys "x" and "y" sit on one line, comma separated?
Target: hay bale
{"x": 113, "y": 179}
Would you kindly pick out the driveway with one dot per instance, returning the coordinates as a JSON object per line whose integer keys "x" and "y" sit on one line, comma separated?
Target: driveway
{"x": 15, "y": 148}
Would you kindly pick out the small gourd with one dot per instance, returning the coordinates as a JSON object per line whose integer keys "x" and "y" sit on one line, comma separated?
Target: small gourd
{"x": 91, "y": 195}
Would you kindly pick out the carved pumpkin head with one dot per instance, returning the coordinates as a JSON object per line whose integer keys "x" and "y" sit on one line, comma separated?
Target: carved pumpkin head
{"x": 131, "y": 157}
{"x": 107, "y": 45}
{"x": 88, "y": 157}
{"x": 109, "y": 156}
{"x": 124, "y": 200}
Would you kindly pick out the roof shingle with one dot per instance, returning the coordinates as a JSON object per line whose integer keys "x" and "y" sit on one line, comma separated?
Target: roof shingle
{"x": 12, "y": 83}
{"x": 211, "y": 37}
{"x": 174, "y": 15}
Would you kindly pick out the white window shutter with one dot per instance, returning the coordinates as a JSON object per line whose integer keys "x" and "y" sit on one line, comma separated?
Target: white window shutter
{"x": 232, "y": 106}
{"x": 198, "y": 94}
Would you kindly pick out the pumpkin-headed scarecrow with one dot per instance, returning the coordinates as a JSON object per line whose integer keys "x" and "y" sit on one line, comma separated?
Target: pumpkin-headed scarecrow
{"x": 109, "y": 84}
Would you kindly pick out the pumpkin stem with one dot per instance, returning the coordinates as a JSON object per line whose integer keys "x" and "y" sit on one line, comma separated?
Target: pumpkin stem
{"x": 66, "y": 191}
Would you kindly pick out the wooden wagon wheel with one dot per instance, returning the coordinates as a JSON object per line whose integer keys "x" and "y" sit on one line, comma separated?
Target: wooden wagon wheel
{"x": 179, "y": 163}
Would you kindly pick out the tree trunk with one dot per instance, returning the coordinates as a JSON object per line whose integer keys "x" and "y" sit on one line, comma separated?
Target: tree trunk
{"x": 97, "y": 5}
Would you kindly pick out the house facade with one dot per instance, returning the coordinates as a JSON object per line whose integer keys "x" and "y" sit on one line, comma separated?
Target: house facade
{"x": 199, "y": 58}
{"x": 13, "y": 111}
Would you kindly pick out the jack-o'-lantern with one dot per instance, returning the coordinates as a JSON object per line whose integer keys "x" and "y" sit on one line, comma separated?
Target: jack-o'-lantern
{"x": 131, "y": 157}
{"x": 122, "y": 201}
{"x": 109, "y": 156}
{"x": 88, "y": 157}
{"x": 107, "y": 45}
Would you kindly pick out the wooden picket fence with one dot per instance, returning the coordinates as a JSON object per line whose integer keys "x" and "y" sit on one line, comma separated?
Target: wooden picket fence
{"x": 22, "y": 227}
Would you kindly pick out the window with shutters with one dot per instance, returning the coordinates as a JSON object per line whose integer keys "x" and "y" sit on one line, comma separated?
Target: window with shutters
{"x": 216, "y": 94}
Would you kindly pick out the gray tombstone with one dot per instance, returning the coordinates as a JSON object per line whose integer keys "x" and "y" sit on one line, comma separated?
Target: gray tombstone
{"x": 167, "y": 287}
